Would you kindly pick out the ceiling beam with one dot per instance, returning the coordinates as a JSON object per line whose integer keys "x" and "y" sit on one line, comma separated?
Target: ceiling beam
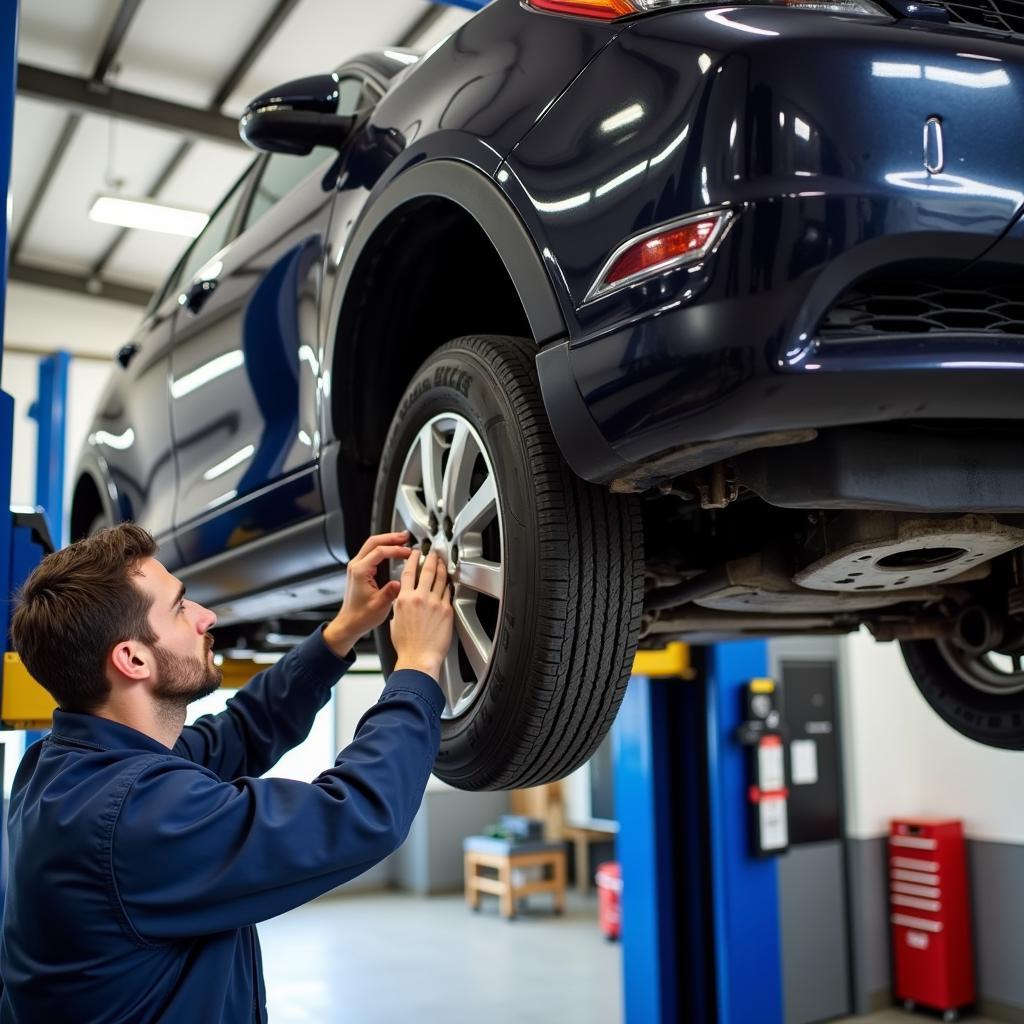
{"x": 257, "y": 45}
{"x": 83, "y": 285}
{"x": 53, "y": 162}
{"x": 421, "y": 25}
{"x": 231, "y": 81}
{"x": 85, "y": 96}
{"x": 115, "y": 37}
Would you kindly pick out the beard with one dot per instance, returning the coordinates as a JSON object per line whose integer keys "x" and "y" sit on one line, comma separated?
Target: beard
{"x": 183, "y": 679}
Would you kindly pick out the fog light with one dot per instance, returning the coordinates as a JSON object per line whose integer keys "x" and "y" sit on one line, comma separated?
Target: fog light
{"x": 661, "y": 249}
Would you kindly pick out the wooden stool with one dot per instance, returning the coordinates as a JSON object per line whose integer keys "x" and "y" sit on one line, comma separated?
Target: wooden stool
{"x": 581, "y": 836}
{"x": 506, "y": 859}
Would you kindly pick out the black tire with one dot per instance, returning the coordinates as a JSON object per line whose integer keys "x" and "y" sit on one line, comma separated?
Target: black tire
{"x": 99, "y": 522}
{"x": 572, "y": 557}
{"x": 996, "y": 720}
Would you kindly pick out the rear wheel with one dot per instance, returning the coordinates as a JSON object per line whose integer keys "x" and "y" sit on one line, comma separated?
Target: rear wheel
{"x": 981, "y": 695}
{"x": 99, "y": 522}
{"x": 547, "y": 569}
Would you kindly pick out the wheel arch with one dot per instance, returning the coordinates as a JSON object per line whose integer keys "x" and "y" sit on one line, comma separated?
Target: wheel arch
{"x": 90, "y": 498}
{"x": 441, "y": 254}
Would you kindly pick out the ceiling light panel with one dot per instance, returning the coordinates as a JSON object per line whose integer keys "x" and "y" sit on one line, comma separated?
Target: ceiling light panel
{"x": 62, "y": 226}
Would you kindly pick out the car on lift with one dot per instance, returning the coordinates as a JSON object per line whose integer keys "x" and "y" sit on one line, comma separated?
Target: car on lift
{"x": 657, "y": 319}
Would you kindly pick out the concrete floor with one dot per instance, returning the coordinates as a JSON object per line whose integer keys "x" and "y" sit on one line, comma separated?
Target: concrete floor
{"x": 899, "y": 1017}
{"x": 386, "y": 957}
{"x": 382, "y": 958}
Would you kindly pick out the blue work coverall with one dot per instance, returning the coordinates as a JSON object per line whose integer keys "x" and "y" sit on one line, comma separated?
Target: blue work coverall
{"x": 137, "y": 873}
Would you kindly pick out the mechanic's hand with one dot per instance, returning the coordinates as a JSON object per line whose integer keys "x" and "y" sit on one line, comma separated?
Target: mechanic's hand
{"x": 421, "y": 630}
{"x": 366, "y": 604}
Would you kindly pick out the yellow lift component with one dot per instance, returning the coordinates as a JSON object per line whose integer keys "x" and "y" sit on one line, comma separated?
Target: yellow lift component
{"x": 670, "y": 661}
{"x": 26, "y": 705}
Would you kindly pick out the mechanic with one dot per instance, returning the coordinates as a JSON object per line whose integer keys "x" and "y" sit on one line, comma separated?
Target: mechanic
{"x": 143, "y": 853}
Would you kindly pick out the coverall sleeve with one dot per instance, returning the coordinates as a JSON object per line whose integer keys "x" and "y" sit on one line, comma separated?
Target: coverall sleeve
{"x": 271, "y": 714}
{"x": 192, "y": 855}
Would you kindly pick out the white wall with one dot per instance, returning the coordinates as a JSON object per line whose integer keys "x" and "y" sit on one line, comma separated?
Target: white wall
{"x": 902, "y": 760}
{"x": 20, "y": 379}
{"x": 42, "y": 320}
{"x": 356, "y": 694}
{"x": 49, "y": 320}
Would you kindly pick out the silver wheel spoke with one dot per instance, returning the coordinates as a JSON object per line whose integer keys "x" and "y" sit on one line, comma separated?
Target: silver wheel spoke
{"x": 451, "y": 677}
{"x": 475, "y": 642}
{"x": 482, "y": 507}
{"x": 482, "y": 576}
{"x": 410, "y": 511}
{"x": 991, "y": 672}
{"x": 461, "y": 456}
{"x": 430, "y": 466}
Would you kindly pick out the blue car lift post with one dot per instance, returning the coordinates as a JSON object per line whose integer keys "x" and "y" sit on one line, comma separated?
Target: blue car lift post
{"x": 700, "y": 914}
{"x": 8, "y": 81}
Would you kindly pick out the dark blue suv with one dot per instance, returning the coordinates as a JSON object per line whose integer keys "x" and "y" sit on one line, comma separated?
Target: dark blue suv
{"x": 658, "y": 319}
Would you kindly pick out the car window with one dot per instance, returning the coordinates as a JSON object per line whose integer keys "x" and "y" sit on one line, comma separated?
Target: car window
{"x": 215, "y": 234}
{"x": 283, "y": 171}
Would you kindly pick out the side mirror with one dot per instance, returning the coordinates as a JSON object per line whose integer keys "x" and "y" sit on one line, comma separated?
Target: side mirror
{"x": 296, "y": 116}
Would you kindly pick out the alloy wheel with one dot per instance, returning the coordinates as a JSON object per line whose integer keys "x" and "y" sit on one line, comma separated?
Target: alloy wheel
{"x": 448, "y": 499}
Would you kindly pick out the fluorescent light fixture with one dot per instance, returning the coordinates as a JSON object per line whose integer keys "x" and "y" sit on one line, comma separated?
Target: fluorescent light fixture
{"x": 148, "y": 216}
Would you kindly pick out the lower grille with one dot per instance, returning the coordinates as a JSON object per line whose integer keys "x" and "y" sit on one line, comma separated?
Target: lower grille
{"x": 995, "y": 15}
{"x": 886, "y": 305}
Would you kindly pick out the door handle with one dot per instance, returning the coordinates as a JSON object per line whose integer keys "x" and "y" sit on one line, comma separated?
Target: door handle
{"x": 195, "y": 298}
{"x": 126, "y": 353}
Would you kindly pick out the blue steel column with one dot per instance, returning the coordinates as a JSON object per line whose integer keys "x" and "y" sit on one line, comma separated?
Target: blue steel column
{"x": 662, "y": 847}
{"x": 8, "y": 76}
{"x": 50, "y": 412}
{"x": 748, "y": 955}
{"x": 700, "y": 915}
{"x": 645, "y": 855}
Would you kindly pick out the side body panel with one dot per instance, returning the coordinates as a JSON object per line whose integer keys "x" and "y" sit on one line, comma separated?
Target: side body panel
{"x": 244, "y": 382}
{"x": 129, "y": 452}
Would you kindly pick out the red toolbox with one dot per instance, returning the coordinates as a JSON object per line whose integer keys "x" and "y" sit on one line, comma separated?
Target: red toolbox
{"x": 930, "y": 913}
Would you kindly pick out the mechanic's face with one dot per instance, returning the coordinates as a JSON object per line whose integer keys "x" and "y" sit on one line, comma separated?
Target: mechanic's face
{"x": 184, "y": 648}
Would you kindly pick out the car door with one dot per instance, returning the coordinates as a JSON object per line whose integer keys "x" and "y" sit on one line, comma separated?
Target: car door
{"x": 244, "y": 368}
{"x": 129, "y": 442}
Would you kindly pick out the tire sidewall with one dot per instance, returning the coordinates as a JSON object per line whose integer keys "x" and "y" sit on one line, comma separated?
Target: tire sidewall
{"x": 456, "y": 380}
{"x": 987, "y": 718}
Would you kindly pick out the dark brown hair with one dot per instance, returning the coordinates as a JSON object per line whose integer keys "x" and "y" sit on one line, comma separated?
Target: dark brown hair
{"x": 76, "y": 606}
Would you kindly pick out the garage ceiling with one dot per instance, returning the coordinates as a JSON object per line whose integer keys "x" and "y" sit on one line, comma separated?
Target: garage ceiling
{"x": 200, "y": 59}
